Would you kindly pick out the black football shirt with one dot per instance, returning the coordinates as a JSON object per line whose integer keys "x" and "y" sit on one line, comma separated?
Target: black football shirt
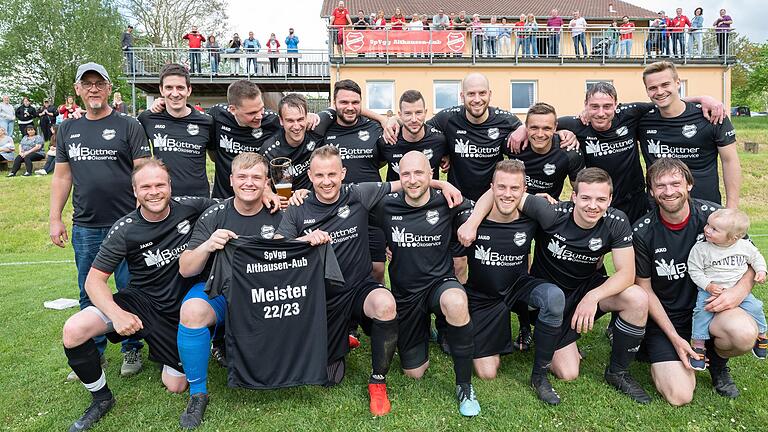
{"x": 276, "y": 313}
{"x": 182, "y": 144}
{"x": 691, "y": 138}
{"x": 546, "y": 173}
{"x": 566, "y": 254}
{"x": 100, "y": 154}
{"x": 433, "y": 146}
{"x": 474, "y": 149}
{"x": 276, "y": 147}
{"x": 224, "y": 215}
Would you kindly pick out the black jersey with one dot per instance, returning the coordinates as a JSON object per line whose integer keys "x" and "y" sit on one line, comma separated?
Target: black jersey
{"x": 419, "y": 238}
{"x": 224, "y": 215}
{"x": 566, "y": 254}
{"x": 100, "y": 154}
{"x": 276, "y": 313}
{"x": 661, "y": 255}
{"x": 691, "y": 138}
{"x": 182, "y": 144}
{"x": 152, "y": 251}
{"x": 346, "y": 221}
{"x": 231, "y": 139}
{"x": 358, "y": 147}
{"x": 474, "y": 148}
{"x": 276, "y": 146}
{"x": 546, "y": 173}
{"x": 499, "y": 253}
{"x": 432, "y": 145}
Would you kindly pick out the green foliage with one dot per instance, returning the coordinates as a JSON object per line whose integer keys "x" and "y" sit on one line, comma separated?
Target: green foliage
{"x": 43, "y": 41}
{"x": 749, "y": 77}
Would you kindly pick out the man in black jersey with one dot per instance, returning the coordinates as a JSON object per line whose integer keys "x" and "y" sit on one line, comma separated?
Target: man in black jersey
{"x": 94, "y": 157}
{"x": 662, "y": 241}
{"x": 150, "y": 239}
{"x": 242, "y": 215}
{"x": 180, "y": 135}
{"x": 421, "y": 226}
{"x": 339, "y": 214}
{"x": 678, "y": 129}
{"x": 573, "y": 239}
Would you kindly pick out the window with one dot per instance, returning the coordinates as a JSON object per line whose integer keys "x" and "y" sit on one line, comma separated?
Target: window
{"x": 522, "y": 95}
{"x": 683, "y": 88}
{"x": 591, "y": 83}
{"x": 380, "y": 96}
{"x": 447, "y": 94}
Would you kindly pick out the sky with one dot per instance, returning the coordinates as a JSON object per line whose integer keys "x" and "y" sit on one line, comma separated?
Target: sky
{"x": 264, "y": 18}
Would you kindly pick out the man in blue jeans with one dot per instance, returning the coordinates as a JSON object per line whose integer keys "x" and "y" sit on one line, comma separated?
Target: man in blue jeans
{"x": 94, "y": 161}
{"x": 292, "y": 45}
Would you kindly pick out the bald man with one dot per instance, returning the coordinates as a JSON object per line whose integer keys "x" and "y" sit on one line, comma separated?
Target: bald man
{"x": 419, "y": 226}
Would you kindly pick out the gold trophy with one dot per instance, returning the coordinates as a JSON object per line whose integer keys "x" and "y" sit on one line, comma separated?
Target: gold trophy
{"x": 281, "y": 170}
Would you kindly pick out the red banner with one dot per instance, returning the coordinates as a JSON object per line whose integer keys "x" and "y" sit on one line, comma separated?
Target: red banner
{"x": 403, "y": 41}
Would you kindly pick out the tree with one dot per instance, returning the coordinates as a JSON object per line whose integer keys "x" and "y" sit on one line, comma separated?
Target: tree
{"x": 164, "y": 22}
{"x": 43, "y": 41}
{"x": 749, "y": 76}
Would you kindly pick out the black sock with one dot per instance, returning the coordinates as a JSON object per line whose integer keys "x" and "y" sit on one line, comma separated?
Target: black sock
{"x": 84, "y": 360}
{"x": 524, "y": 318}
{"x": 383, "y": 346}
{"x": 462, "y": 343}
{"x": 546, "y": 340}
{"x": 716, "y": 363}
{"x": 626, "y": 342}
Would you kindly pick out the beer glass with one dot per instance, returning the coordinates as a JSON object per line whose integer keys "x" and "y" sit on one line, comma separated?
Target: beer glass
{"x": 281, "y": 170}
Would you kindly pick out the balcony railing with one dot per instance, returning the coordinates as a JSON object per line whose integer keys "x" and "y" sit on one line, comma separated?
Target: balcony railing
{"x": 205, "y": 63}
{"x": 513, "y": 45}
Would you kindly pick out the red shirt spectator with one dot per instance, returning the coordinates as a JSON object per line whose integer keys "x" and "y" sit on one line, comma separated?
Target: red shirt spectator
{"x": 398, "y": 20}
{"x": 68, "y": 108}
{"x": 195, "y": 38}
{"x": 340, "y": 16}
{"x": 626, "y": 30}
{"x": 519, "y": 27}
{"x": 678, "y": 23}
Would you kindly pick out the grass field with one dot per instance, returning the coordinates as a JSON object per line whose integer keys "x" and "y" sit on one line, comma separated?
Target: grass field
{"x": 34, "y": 396}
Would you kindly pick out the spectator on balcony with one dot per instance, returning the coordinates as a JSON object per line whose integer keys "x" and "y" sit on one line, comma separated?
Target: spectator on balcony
{"x": 273, "y": 48}
{"x": 677, "y": 32}
{"x": 214, "y": 53}
{"x": 520, "y": 34}
{"x": 626, "y": 30}
{"x": 610, "y": 41}
{"x": 462, "y": 22}
{"x": 505, "y": 38}
{"x": 68, "y": 108}
{"x": 47, "y": 114}
{"x": 696, "y": 33}
{"x": 292, "y": 47}
{"x": 664, "y": 23}
{"x": 380, "y": 23}
{"x": 361, "y": 22}
{"x": 30, "y": 150}
{"x": 723, "y": 25}
{"x": 531, "y": 34}
{"x": 441, "y": 20}
{"x": 339, "y": 18}
{"x": 234, "y": 47}
{"x": 195, "y": 40}
{"x": 492, "y": 32}
{"x": 578, "y": 26}
{"x": 451, "y": 20}
{"x": 554, "y": 28}
{"x": 127, "y": 44}
{"x": 7, "y": 147}
{"x": 251, "y": 46}
{"x": 478, "y": 35}
{"x": 425, "y": 21}
{"x": 397, "y": 22}
{"x": 415, "y": 23}
{"x": 117, "y": 105}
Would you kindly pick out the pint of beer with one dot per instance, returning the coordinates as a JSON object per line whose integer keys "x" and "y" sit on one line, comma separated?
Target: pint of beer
{"x": 281, "y": 170}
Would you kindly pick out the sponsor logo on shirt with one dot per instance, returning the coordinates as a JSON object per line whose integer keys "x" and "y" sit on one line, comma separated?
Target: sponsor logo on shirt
{"x": 79, "y": 152}
{"x": 363, "y": 135}
{"x": 159, "y": 126}
{"x": 343, "y": 212}
{"x": 660, "y": 150}
{"x": 488, "y": 257}
{"x": 193, "y": 129}
{"x": 493, "y": 133}
{"x": 651, "y": 132}
{"x": 183, "y": 227}
{"x": 670, "y": 270}
{"x": 396, "y": 167}
{"x": 160, "y": 258}
{"x": 562, "y": 253}
{"x": 397, "y": 218}
{"x": 461, "y": 132}
{"x": 595, "y": 147}
{"x": 355, "y": 153}
{"x": 232, "y": 146}
{"x": 163, "y": 143}
{"x": 108, "y": 134}
{"x": 267, "y": 231}
{"x": 537, "y": 184}
{"x": 403, "y": 238}
{"x": 74, "y": 136}
{"x": 464, "y": 149}
{"x": 689, "y": 131}
{"x": 549, "y": 169}
{"x": 433, "y": 216}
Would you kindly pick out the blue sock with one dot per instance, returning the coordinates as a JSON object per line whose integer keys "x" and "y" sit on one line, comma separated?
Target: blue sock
{"x": 194, "y": 349}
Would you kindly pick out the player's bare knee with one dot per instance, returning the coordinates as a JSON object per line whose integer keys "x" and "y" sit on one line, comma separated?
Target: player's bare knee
{"x": 197, "y": 313}
{"x": 415, "y": 373}
{"x": 678, "y": 397}
{"x": 175, "y": 385}
{"x": 74, "y": 332}
{"x": 454, "y": 305}
{"x": 567, "y": 373}
{"x": 383, "y": 305}
{"x": 486, "y": 371}
{"x": 635, "y": 305}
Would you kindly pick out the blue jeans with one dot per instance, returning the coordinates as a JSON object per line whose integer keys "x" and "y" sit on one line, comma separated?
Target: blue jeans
{"x": 702, "y": 318}
{"x": 490, "y": 46}
{"x": 553, "y": 45}
{"x": 86, "y": 242}
{"x": 625, "y": 48}
{"x": 580, "y": 40}
{"x": 531, "y": 47}
{"x": 194, "y": 60}
{"x": 8, "y": 126}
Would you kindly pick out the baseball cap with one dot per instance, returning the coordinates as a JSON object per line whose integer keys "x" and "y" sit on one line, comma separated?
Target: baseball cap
{"x": 91, "y": 66}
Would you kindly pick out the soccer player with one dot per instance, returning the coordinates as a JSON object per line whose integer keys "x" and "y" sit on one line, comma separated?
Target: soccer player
{"x": 150, "y": 239}
{"x": 242, "y": 215}
{"x": 574, "y": 237}
{"x": 421, "y": 273}
{"x": 678, "y": 129}
{"x": 499, "y": 282}
{"x": 339, "y": 214}
{"x": 180, "y": 135}
{"x": 662, "y": 240}
{"x": 94, "y": 158}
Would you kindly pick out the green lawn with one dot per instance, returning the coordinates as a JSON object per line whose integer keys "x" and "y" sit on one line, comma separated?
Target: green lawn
{"x": 35, "y": 396}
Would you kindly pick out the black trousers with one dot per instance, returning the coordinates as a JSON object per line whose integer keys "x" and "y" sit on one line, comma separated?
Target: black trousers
{"x": 28, "y": 159}
{"x": 273, "y": 65}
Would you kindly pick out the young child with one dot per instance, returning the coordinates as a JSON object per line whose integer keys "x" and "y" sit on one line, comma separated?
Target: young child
{"x": 716, "y": 265}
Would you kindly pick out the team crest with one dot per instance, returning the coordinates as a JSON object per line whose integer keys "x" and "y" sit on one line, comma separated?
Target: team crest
{"x": 520, "y": 238}
{"x": 108, "y": 134}
{"x": 689, "y": 130}
{"x": 428, "y": 153}
{"x": 700, "y": 238}
{"x": 363, "y": 135}
{"x": 622, "y": 131}
{"x": 193, "y": 129}
{"x": 343, "y": 212}
{"x": 267, "y": 231}
{"x": 493, "y": 133}
{"x": 432, "y": 216}
{"x": 257, "y": 133}
{"x": 549, "y": 169}
{"x": 595, "y": 244}
{"x": 311, "y": 145}
{"x": 183, "y": 227}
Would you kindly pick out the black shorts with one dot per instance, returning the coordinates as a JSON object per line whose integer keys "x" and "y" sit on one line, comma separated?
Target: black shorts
{"x": 490, "y": 317}
{"x": 634, "y": 206}
{"x": 377, "y": 244}
{"x": 656, "y": 347}
{"x": 572, "y": 299}
{"x": 341, "y": 310}
{"x": 413, "y": 320}
{"x": 159, "y": 328}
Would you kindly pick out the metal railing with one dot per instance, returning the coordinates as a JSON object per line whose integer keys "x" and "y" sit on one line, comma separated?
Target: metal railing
{"x": 147, "y": 62}
{"x": 598, "y": 44}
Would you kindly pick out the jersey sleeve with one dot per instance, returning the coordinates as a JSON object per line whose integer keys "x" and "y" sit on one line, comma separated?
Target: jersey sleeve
{"x": 61, "y": 152}
{"x": 461, "y": 212}
{"x": 113, "y": 249}
{"x": 575, "y": 163}
{"x": 211, "y": 144}
{"x": 571, "y": 123}
{"x": 198, "y": 203}
{"x": 221, "y": 272}
{"x": 370, "y": 193}
{"x": 724, "y": 133}
{"x": 137, "y": 140}
{"x": 621, "y": 231}
{"x": 643, "y": 257}
{"x": 539, "y": 209}
{"x": 205, "y": 226}
{"x": 696, "y": 264}
{"x": 288, "y": 227}
{"x": 326, "y": 120}
{"x": 637, "y": 109}
{"x": 440, "y": 120}
{"x": 514, "y": 122}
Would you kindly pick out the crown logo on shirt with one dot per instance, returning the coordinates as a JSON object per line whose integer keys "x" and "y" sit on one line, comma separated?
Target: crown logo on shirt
{"x": 482, "y": 254}
{"x": 226, "y": 143}
{"x": 160, "y": 140}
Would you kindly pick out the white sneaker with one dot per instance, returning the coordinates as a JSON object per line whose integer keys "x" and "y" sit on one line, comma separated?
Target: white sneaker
{"x": 41, "y": 172}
